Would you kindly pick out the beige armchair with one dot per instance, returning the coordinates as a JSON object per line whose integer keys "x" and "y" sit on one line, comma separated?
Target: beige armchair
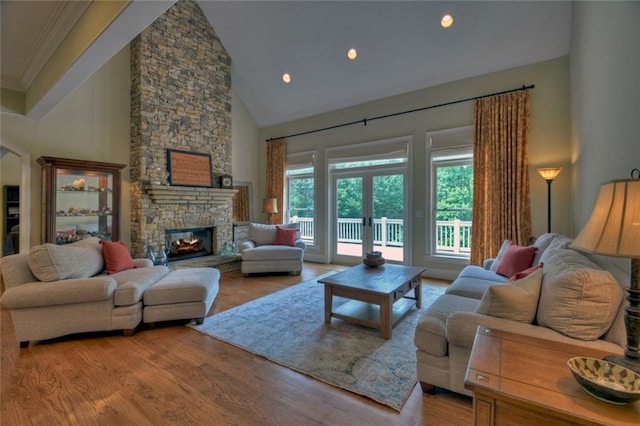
{"x": 272, "y": 248}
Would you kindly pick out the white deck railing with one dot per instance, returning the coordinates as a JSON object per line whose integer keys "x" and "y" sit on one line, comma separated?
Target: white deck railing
{"x": 453, "y": 237}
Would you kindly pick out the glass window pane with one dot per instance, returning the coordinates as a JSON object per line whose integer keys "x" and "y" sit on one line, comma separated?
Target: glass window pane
{"x": 300, "y": 201}
{"x": 453, "y": 201}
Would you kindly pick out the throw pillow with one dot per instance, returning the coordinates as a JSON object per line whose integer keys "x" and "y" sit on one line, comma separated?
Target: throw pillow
{"x": 515, "y": 259}
{"x": 285, "y": 236}
{"x": 577, "y": 298}
{"x": 503, "y": 248}
{"x": 293, "y": 225}
{"x": 520, "y": 275}
{"x": 515, "y": 301}
{"x": 116, "y": 256}
{"x": 52, "y": 262}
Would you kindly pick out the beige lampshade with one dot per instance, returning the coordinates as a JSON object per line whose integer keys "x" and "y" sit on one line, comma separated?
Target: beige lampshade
{"x": 613, "y": 229}
{"x": 549, "y": 173}
{"x": 270, "y": 205}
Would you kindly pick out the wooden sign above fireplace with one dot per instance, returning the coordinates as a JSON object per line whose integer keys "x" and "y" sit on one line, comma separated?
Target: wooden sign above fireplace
{"x": 189, "y": 168}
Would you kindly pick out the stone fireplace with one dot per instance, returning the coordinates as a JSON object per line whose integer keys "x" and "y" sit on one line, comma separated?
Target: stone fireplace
{"x": 180, "y": 100}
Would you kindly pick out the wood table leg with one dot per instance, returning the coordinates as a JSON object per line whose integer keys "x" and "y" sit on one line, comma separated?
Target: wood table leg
{"x": 328, "y": 303}
{"x": 418, "y": 293}
{"x": 385, "y": 317}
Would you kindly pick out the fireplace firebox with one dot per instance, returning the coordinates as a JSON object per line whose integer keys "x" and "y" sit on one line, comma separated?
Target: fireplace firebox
{"x": 189, "y": 242}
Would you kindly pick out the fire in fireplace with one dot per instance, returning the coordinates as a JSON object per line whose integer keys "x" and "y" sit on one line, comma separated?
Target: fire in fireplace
{"x": 188, "y": 243}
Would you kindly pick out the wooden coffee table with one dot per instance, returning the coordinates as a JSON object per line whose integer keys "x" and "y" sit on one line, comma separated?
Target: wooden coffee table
{"x": 379, "y": 295}
{"x": 523, "y": 380}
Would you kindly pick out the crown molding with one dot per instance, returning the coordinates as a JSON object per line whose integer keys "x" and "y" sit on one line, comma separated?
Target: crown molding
{"x": 52, "y": 35}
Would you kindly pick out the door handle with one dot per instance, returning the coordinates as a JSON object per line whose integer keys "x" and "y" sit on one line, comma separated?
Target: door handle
{"x": 364, "y": 221}
{"x": 369, "y": 221}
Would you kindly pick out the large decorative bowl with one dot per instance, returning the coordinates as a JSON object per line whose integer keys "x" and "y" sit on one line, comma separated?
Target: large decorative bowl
{"x": 373, "y": 259}
{"x": 606, "y": 381}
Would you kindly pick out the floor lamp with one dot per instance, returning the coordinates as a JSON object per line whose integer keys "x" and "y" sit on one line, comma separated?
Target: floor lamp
{"x": 270, "y": 206}
{"x": 549, "y": 174}
{"x": 613, "y": 229}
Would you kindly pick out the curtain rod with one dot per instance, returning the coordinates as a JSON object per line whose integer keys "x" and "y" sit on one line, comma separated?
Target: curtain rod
{"x": 380, "y": 117}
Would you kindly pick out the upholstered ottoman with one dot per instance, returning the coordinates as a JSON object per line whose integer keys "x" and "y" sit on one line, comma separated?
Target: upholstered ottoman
{"x": 183, "y": 294}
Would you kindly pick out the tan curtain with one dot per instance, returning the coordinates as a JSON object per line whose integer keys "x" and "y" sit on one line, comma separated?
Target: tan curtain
{"x": 501, "y": 204}
{"x": 241, "y": 211}
{"x": 276, "y": 162}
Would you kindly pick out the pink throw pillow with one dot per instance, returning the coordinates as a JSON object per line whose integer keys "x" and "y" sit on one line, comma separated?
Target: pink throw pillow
{"x": 116, "y": 256}
{"x": 516, "y": 259}
{"x": 285, "y": 236}
{"x": 520, "y": 275}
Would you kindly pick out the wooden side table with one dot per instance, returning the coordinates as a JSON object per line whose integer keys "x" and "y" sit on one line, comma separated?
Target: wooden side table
{"x": 521, "y": 380}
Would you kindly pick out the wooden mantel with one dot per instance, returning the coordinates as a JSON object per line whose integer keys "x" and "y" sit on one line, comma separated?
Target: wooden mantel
{"x": 171, "y": 194}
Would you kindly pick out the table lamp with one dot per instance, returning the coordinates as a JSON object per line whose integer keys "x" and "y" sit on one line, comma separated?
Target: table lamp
{"x": 613, "y": 229}
{"x": 270, "y": 206}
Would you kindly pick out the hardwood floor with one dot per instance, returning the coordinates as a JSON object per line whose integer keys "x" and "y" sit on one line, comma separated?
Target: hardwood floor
{"x": 172, "y": 374}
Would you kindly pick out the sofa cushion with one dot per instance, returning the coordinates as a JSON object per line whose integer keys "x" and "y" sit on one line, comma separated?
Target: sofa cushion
{"x": 285, "y": 236}
{"x": 515, "y": 259}
{"x": 503, "y": 248}
{"x": 132, "y": 283}
{"x": 517, "y": 300}
{"x": 473, "y": 281}
{"x": 557, "y": 242}
{"x": 542, "y": 243}
{"x": 577, "y": 298}
{"x": 52, "y": 262}
{"x": 261, "y": 234}
{"x": 431, "y": 330}
{"x": 272, "y": 252}
{"x": 116, "y": 256}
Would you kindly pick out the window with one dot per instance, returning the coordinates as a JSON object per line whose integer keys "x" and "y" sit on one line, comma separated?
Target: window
{"x": 300, "y": 193}
{"x": 452, "y": 201}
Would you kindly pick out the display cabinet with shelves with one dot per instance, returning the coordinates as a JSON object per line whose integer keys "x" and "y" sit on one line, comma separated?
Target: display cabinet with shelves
{"x": 80, "y": 199}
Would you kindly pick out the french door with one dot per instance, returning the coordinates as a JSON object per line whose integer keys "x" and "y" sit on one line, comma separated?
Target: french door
{"x": 368, "y": 214}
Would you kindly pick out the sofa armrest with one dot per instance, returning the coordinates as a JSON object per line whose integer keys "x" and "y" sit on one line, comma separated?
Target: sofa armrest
{"x": 63, "y": 292}
{"x": 246, "y": 245}
{"x": 487, "y": 263}
{"x": 300, "y": 244}
{"x": 142, "y": 262}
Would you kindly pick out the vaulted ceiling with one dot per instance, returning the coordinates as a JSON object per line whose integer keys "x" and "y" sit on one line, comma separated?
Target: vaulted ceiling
{"x": 401, "y": 46}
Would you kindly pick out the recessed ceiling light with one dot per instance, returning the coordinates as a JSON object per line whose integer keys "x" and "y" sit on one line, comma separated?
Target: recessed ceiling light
{"x": 286, "y": 78}
{"x": 446, "y": 21}
{"x": 352, "y": 54}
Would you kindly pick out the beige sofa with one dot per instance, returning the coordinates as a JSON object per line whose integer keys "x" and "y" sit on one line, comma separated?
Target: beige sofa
{"x": 575, "y": 298}
{"x": 59, "y": 290}
{"x": 265, "y": 251}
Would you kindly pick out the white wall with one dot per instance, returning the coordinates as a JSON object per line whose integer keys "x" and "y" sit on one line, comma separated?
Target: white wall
{"x": 92, "y": 123}
{"x": 605, "y": 98}
{"x": 246, "y": 153}
{"x": 550, "y": 143}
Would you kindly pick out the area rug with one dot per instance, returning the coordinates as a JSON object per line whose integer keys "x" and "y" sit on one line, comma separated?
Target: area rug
{"x": 287, "y": 327}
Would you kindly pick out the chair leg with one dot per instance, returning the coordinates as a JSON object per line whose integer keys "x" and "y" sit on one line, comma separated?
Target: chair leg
{"x": 200, "y": 321}
{"x": 24, "y": 344}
